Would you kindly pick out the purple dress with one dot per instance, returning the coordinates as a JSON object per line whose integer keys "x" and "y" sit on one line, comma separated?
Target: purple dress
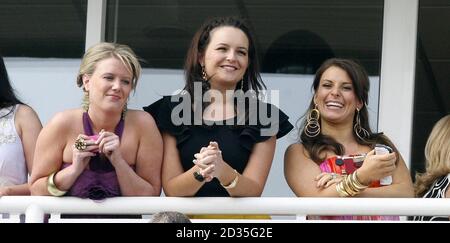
{"x": 99, "y": 180}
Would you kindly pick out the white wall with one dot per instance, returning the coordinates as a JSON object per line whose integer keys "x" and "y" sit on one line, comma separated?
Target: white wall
{"x": 49, "y": 86}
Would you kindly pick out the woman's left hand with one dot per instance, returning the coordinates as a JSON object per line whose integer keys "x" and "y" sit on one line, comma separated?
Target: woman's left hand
{"x": 109, "y": 144}
{"x": 324, "y": 179}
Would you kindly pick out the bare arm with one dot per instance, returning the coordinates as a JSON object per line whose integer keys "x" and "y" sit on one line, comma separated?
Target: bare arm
{"x": 252, "y": 181}
{"x": 48, "y": 156}
{"x": 28, "y": 127}
{"x": 401, "y": 183}
{"x": 146, "y": 181}
{"x": 301, "y": 171}
{"x": 175, "y": 181}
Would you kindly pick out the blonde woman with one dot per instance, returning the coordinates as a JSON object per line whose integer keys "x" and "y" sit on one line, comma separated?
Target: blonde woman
{"x": 102, "y": 149}
{"x": 434, "y": 183}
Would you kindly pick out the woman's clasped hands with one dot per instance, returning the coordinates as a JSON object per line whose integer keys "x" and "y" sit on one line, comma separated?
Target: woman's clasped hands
{"x": 210, "y": 161}
{"x": 88, "y": 146}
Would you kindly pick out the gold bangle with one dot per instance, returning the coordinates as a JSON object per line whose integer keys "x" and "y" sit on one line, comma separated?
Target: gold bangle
{"x": 340, "y": 190}
{"x": 350, "y": 186}
{"x": 51, "y": 187}
{"x": 233, "y": 183}
{"x": 358, "y": 183}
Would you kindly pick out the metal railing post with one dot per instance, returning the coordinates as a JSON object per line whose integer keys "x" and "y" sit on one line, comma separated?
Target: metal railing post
{"x": 34, "y": 214}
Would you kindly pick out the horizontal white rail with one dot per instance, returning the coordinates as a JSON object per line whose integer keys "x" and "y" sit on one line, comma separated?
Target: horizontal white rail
{"x": 35, "y": 206}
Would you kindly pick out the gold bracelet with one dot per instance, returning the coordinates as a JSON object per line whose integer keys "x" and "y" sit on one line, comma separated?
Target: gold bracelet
{"x": 350, "y": 186}
{"x": 340, "y": 189}
{"x": 358, "y": 183}
{"x": 233, "y": 183}
{"x": 352, "y": 189}
{"x": 51, "y": 187}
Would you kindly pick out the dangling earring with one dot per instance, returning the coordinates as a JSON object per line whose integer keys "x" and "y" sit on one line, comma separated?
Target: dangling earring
{"x": 124, "y": 111}
{"x": 242, "y": 84}
{"x": 85, "y": 101}
{"x": 312, "y": 127}
{"x": 360, "y": 131}
{"x": 204, "y": 76}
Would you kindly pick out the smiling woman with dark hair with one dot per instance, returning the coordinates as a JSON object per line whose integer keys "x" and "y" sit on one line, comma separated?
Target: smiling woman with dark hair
{"x": 335, "y": 155}
{"x": 19, "y": 129}
{"x": 224, "y": 152}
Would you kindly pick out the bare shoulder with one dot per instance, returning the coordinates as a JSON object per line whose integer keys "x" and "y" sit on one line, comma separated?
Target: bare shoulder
{"x": 26, "y": 110}
{"x": 26, "y": 113}
{"x": 140, "y": 119}
{"x": 296, "y": 150}
{"x": 296, "y": 154}
{"x": 27, "y": 122}
{"x": 65, "y": 119}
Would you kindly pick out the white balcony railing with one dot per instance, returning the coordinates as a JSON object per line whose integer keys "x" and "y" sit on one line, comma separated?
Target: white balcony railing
{"x": 34, "y": 207}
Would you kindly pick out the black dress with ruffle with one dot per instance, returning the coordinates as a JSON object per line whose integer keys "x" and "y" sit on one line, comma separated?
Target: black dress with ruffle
{"x": 235, "y": 141}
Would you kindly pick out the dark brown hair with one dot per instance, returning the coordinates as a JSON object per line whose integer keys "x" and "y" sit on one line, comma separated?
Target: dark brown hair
{"x": 200, "y": 41}
{"x": 193, "y": 70}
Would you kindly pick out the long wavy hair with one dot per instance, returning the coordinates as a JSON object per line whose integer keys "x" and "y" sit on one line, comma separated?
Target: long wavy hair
{"x": 360, "y": 80}
{"x": 7, "y": 96}
{"x": 437, "y": 156}
{"x": 193, "y": 71}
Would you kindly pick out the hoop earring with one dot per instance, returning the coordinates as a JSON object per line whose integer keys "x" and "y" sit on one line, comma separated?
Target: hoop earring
{"x": 85, "y": 101}
{"x": 360, "y": 131}
{"x": 204, "y": 76}
{"x": 312, "y": 127}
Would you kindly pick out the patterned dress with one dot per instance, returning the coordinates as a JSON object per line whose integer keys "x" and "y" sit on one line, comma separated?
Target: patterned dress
{"x": 437, "y": 190}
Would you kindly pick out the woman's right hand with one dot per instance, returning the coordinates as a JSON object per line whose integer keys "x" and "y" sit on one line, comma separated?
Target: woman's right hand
{"x": 80, "y": 158}
{"x": 376, "y": 167}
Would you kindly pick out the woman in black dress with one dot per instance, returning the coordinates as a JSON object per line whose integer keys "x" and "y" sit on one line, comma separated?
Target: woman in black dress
{"x": 219, "y": 138}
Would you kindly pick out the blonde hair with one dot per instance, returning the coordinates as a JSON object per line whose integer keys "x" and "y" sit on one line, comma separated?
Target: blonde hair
{"x": 104, "y": 50}
{"x": 437, "y": 156}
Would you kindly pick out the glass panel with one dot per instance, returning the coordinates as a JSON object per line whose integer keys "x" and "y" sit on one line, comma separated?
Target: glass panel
{"x": 47, "y": 28}
{"x": 293, "y": 36}
{"x": 432, "y": 86}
